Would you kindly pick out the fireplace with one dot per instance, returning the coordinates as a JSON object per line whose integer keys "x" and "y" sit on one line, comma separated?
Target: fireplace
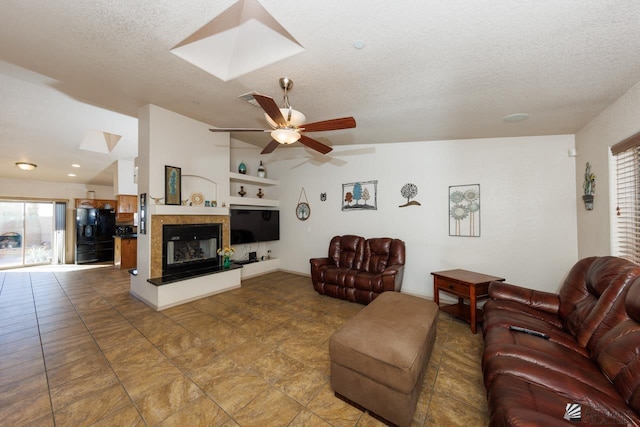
{"x": 190, "y": 247}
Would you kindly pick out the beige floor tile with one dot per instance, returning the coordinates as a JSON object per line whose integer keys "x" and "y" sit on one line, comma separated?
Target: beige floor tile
{"x": 116, "y": 335}
{"x": 20, "y": 356}
{"x": 447, "y": 412}
{"x": 22, "y": 371}
{"x": 18, "y": 335}
{"x": 270, "y": 408}
{"x": 70, "y": 330}
{"x": 93, "y": 407}
{"x": 144, "y": 381}
{"x": 234, "y": 388}
{"x": 201, "y": 412}
{"x": 29, "y": 408}
{"x": 76, "y": 369}
{"x": 335, "y": 411}
{"x": 72, "y": 353}
{"x": 302, "y": 385}
{"x": 73, "y": 390}
{"x": 125, "y": 417}
{"x": 307, "y": 418}
{"x": 161, "y": 402}
{"x": 12, "y": 347}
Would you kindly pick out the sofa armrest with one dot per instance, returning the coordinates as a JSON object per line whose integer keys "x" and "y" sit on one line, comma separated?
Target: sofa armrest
{"x": 540, "y": 300}
{"x": 319, "y": 262}
{"x": 393, "y": 274}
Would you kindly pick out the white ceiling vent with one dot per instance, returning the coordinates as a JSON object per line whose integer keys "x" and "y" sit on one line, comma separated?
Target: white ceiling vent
{"x": 250, "y": 99}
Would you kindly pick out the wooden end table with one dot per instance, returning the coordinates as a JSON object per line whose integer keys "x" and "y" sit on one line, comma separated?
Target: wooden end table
{"x": 464, "y": 285}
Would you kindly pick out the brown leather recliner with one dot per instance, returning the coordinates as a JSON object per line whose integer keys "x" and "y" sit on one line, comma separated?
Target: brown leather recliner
{"x": 585, "y": 368}
{"x": 359, "y": 269}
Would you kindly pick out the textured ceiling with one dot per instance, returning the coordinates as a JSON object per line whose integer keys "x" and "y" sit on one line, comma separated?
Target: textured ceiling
{"x": 429, "y": 70}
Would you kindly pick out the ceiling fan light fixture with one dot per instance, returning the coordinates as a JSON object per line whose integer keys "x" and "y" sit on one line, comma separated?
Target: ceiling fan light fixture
{"x": 26, "y": 166}
{"x": 297, "y": 118}
{"x": 285, "y": 135}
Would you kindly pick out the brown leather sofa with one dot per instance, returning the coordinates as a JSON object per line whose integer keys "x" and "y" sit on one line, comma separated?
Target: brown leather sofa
{"x": 586, "y": 366}
{"x": 359, "y": 269}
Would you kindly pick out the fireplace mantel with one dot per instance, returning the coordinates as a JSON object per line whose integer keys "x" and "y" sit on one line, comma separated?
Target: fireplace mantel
{"x": 187, "y": 210}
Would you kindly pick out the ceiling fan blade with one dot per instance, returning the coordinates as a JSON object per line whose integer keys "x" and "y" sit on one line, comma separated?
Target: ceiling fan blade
{"x": 271, "y": 108}
{"x": 239, "y": 130}
{"x": 270, "y": 147}
{"x": 314, "y": 145}
{"x": 333, "y": 124}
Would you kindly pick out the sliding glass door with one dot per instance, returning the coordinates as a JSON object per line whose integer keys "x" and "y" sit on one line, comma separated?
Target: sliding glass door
{"x": 28, "y": 233}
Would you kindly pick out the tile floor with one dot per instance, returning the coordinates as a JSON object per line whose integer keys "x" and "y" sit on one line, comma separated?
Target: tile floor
{"x": 77, "y": 350}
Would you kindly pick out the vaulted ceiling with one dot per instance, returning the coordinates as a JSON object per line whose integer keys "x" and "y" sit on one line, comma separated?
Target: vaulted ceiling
{"x": 414, "y": 70}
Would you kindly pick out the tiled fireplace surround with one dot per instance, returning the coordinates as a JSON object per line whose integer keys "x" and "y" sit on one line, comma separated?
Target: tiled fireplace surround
{"x": 174, "y": 293}
{"x": 157, "y": 222}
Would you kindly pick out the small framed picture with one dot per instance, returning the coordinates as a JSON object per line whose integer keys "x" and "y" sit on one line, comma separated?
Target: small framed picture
{"x": 172, "y": 185}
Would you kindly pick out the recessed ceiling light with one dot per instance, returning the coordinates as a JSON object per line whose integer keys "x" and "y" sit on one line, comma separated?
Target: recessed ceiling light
{"x": 75, "y": 165}
{"x": 358, "y": 44}
{"x": 26, "y": 166}
{"x": 71, "y": 174}
{"x": 515, "y": 117}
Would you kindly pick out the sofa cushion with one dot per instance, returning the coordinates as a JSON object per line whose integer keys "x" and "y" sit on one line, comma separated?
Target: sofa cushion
{"x": 587, "y": 296}
{"x": 539, "y": 361}
{"x": 347, "y": 251}
{"x": 379, "y": 253}
{"x": 618, "y": 351}
{"x": 517, "y": 402}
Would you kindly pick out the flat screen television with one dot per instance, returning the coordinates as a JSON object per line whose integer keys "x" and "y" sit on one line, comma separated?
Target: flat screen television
{"x": 254, "y": 225}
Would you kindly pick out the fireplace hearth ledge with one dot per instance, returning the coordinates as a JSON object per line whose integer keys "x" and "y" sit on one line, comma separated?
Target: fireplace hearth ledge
{"x": 186, "y": 275}
{"x": 187, "y": 290}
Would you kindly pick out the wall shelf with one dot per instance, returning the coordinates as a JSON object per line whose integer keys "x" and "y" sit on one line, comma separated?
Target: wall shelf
{"x": 249, "y": 179}
{"x": 250, "y": 201}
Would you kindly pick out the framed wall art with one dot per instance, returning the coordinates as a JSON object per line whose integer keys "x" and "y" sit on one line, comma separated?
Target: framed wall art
{"x": 464, "y": 210}
{"x": 172, "y": 185}
{"x": 361, "y": 195}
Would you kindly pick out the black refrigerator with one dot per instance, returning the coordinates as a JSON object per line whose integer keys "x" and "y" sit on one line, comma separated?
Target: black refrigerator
{"x": 94, "y": 235}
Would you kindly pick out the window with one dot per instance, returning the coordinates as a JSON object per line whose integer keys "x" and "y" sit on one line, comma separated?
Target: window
{"x": 627, "y": 156}
{"x": 31, "y": 233}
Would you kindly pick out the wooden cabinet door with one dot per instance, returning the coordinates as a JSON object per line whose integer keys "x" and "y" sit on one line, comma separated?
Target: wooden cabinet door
{"x": 127, "y": 204}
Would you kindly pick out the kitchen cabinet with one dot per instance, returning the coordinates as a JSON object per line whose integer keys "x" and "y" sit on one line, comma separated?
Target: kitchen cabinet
{"x": 127, "y": 206}
{"x": 125, "y": 252}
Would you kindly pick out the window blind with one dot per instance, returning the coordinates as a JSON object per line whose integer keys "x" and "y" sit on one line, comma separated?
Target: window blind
{"x": 627, "y": 154}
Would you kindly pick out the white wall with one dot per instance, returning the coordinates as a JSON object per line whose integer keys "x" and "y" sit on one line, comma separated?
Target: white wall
{"x": 528, "y": 199}
{"x": 168, "y": 138}
{"x": 62, "y": 191}
{"x": 617, "y": 122}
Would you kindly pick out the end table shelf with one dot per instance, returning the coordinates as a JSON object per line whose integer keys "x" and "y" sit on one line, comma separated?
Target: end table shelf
{"x": 463, "y": 284}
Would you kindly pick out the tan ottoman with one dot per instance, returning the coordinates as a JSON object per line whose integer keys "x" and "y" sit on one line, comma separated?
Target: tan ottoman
{"x": 379, "y": 357}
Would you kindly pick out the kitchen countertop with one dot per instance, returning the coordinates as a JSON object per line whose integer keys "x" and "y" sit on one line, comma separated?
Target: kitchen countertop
{"x": 126, "y": 236}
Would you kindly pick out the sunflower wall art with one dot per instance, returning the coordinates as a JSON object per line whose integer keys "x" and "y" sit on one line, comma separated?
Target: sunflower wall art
{"x": 464, "y": 210}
